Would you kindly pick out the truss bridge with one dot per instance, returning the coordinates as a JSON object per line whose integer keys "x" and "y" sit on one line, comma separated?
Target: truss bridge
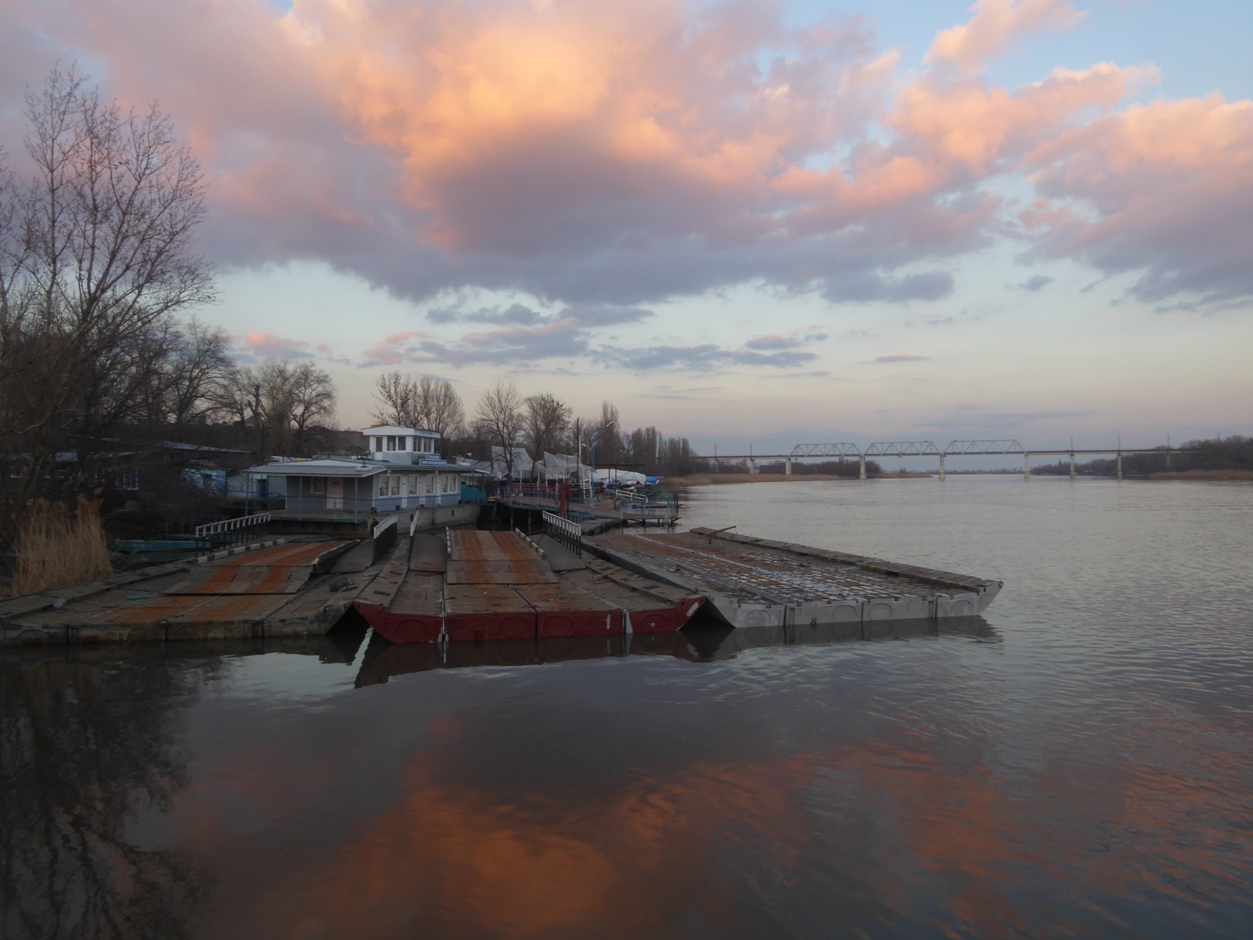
{"x": 973, "y": 448}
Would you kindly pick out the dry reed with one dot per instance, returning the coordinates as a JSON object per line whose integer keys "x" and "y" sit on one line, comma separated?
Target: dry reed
{"x": 55, "y": 549}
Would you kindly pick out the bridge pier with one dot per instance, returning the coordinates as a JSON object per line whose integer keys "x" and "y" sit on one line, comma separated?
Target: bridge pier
{"x": 1026, "y": 468}
{"x": 1120, "y": 466}
{"x": 1072, "y": 465}
{"x": 941, "y": 468}
{"x": 862, "y": 474}
{"x": 787, "y": 466}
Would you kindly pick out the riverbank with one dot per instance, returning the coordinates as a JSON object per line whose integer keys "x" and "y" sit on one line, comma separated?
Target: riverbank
{"x": 710, "y": 479}
{"x": 1221, "y": 475}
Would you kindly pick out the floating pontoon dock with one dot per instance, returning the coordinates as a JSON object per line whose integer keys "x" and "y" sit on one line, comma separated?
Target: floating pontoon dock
{"x": 475, "y": 585}
{"x": 752, "y": 582}
{"x": 296, "y": 587}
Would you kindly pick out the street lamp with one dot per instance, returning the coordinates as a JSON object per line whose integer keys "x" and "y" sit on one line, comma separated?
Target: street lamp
{"x": 595, "y": 438}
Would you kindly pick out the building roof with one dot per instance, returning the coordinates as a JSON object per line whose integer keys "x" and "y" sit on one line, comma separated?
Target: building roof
{"x": 343, "y": 467}
{"x": 392, "y": 430}
{"x": 321, "y": 468}
{"x": 200, "y": 448}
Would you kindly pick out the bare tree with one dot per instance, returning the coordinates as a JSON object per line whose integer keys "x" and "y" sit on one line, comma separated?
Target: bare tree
{"x": 428, "y": 402}
{"x": 197, "y": 361}
{"x": 500, "y": 420}
{"x": 605, "y": 431}
{"x": 276, "y": 405}
{"x": 95, "y": 252}
{"x": 440, "y": 407}
{"x": 397, "y": 395}
{"x": 547, "y": 420}
{"x": 312, "y": 397}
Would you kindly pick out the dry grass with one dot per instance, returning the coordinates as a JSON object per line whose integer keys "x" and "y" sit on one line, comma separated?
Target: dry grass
{"x": 55, "y": 549}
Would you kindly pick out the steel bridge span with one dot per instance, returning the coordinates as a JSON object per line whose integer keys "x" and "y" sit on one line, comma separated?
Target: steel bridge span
{"x": 989, "y": 448}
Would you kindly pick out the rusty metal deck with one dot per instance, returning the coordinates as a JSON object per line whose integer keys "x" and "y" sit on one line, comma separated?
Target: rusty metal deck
{"x": 494, "y": 558}
{"x": 227, "y": 597}
{"x": 500, "y": 586}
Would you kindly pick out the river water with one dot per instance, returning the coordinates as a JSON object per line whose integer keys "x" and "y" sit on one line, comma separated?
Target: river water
{"x": 1078, "y": 763}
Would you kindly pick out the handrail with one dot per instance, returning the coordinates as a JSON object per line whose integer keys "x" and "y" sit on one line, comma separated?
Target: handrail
{"x": 230, "y": 525}
{"x": 386, "y": 524}
{"x": 565, "y": 531}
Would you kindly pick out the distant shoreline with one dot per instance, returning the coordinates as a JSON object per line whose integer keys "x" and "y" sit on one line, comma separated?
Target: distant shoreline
{"x": 714, "y": 479}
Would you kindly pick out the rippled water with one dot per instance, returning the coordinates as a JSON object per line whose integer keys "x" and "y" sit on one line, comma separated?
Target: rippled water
{"x": 1079, "y": 764}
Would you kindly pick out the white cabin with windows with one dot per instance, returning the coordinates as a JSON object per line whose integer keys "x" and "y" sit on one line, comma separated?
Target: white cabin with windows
{"x": 392, "y": 444}
{"x": 330, "y": 484}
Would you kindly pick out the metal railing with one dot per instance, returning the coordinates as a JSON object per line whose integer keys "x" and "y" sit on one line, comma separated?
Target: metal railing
{"x": 385, "y": 524}
{"x": 568, "y": 533}
{"x": 231, "y": 526}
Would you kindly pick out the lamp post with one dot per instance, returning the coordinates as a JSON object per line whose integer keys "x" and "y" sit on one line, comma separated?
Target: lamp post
{"x": 595, "y": 438}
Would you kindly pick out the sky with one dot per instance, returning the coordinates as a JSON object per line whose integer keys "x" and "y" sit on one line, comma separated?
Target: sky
{"x": 756, "y": 222}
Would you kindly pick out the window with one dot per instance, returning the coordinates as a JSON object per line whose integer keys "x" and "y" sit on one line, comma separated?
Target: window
{"x": 317, "y": 487}
{"x": 378, "y": 444}
{"x": 383, "y": 485}
{"x": 391, "y": 442}
{"x": 413, "y": 486}
{"x": 396, "y": 486}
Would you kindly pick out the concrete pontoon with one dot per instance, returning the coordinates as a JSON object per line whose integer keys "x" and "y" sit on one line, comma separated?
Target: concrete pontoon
{"x": 753, "y": 582}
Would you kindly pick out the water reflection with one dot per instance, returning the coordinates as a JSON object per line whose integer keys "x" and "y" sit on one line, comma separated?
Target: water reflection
{"x": 703, "y": 641}
{"x": 88, "y": 738}
{"x": 77, "y": 756}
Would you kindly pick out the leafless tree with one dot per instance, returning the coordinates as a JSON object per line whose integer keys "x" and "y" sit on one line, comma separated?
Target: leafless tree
{"x": 312, "y": 397}
{"x": 197, "y": 361}
{"x": 605, "y": 430}
{"x": 547, "y": 420}
{"x": 95, "y": 252}
{"x": 440, "y": 407}
{"x": 500, "y": 420}
{"x": 276, "y": 405}
{"x": 397, "y": 396}
{"x": 428, "y": 402}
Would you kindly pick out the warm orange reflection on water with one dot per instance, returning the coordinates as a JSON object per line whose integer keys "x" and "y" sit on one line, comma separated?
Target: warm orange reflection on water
{"x": 638, "y": 857}
{"x": 615, "y": 861}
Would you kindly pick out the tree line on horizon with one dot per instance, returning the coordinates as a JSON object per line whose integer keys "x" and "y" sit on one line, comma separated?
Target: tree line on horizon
{"x": 539, "y": 423}
{"x": 1233, "y": 453}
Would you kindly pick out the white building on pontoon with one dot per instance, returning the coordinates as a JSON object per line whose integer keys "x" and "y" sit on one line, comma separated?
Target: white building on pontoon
{"x": 403, "y": 470}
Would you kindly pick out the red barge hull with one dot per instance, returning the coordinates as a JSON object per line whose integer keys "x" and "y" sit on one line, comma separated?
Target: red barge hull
{"x": 496, "y": 586}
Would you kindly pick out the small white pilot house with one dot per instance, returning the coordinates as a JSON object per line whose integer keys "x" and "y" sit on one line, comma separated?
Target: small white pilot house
{"x": 401, "y": 471}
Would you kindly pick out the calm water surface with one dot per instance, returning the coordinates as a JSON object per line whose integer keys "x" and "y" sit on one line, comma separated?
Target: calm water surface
{"x": 1079, "y": 763}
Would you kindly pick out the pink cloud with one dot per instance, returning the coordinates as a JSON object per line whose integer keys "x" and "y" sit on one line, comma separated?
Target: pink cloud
{"x": 270, "y": 346}
{"x": 1169, "y": 188}
{"x": 622, "y": 154}
{"x": 995, "y": 25}
{"x": 395, "y": 349}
